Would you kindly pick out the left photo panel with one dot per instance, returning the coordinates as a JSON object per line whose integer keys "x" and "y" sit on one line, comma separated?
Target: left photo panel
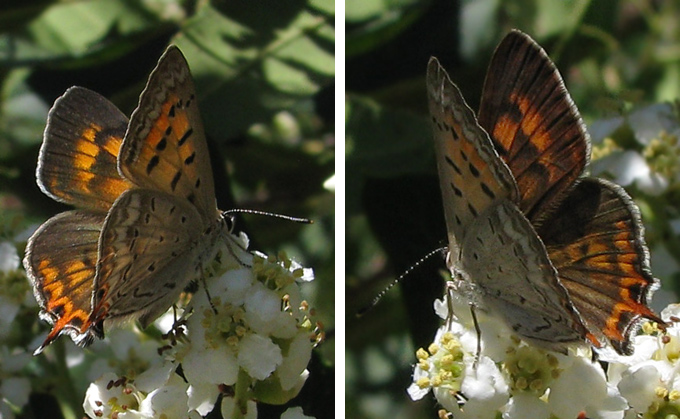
{"x": 167, "y": 210}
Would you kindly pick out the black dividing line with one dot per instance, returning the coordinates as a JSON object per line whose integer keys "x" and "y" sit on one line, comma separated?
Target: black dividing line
{"x": 152, "y": 164}
{"x": 452, "y": 164}
{"x": 488, "y": 191}
{"x": 185, "y": 137}
{"x": 472, "y": 210}
{"x": 453, "y": 131}
{"x": 175, "y": 179}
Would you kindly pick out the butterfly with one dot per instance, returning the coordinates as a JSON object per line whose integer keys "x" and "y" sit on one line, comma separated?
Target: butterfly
{"x": 147, "y": 218}
{"x": 559, "y": 256}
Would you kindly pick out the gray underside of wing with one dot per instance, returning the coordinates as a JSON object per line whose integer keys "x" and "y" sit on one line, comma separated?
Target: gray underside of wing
{"x": 505, "y": 259}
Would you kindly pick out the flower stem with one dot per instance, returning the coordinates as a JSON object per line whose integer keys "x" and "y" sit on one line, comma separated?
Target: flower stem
{"x": 67, "y": 389}
{"x": 242, "y": 394}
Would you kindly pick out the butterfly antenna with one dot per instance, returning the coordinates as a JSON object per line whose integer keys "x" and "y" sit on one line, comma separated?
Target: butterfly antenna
{"x": 410, "y": 269}
{"x": 268, "y": 214}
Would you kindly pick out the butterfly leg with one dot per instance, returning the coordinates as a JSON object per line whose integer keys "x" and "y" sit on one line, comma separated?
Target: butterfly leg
{"x": 233, "y": 254}
{"x": 207, "y": 294}
{"x": 452, "y": 287}
{"x": 479, "y": 334}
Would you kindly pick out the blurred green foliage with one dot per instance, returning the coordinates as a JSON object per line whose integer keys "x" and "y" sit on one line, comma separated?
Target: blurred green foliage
{"x": 619, "y": 59}
{"x": 265, "y": 84}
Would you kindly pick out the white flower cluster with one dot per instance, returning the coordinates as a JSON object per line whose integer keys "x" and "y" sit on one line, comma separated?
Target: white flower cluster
{"x": 653, "y": 165}
{"x": 248, "y": 337}
{"x": 511, "y": 379}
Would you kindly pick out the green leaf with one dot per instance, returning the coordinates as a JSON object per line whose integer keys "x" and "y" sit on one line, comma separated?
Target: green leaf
{"x": 262, "y": 64}
{"x": 383, "y": 142}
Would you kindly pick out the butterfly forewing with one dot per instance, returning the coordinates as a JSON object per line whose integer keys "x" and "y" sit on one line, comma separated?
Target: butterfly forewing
{"x": 595, "y": 239}
{"x": 533, "y": 123}
{"x": 165, "y": 147}
{"x": 471, "y": 175}
{"x": 77, "y": 162}
{"x": 60, "y": 261}
{"x": 491, "y": 243}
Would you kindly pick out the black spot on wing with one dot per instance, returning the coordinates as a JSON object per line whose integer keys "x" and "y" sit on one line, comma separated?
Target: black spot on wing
{"x": 175, "y": 179}
{"x": 153, "y": 162}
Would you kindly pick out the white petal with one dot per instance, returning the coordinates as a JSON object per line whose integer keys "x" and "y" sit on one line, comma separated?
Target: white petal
{"x": 295, "y": 362}
{"x": 647, "y": 122}
{"x": 16, "y": 390}
{"x": 238, "y": 286}
{"x": 672, "y": 310}
{"x": 417, "y": 393}
{"x": 229, "y": 407}
{"x": 582, "y": 384}
{"x": 154, "y": 377}
{"x": 441, "y": 309}
{"x": 98, "y": 395}
{"x": 629, "y": 166}
{"x": 231, "y": 287}
{"x": 484, "y": 386}
{"x": 259, "y": 356}
{"x": 603, "y": 128}
{"x": 524, "y": 405}
{"x": 262, "y": 307}
{"x": 170, "y": 401}
{"x": 653, "y": 184}
{"x": 295, "y": 413}
{"x": 210, "y": 366}
{"x": 202, "y": 397}
{"x": 285, "y": 326}
{"x": 638, "y": 386}
{"x": 9, "y": 258}
{"x": 329, "y": 184}
{"x": 8, "y": 311}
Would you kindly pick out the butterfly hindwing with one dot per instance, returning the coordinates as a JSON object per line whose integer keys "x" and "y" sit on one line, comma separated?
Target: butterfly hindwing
{"x": 146, "y": 255}
{"x": 165, "y": 147}
{"x": 510, "y": 267}
{"x": 595, "y": 239}
{"x": 77, "y": 162}
{"x": 60, "y": 261}
{"x": 534, "y": 124}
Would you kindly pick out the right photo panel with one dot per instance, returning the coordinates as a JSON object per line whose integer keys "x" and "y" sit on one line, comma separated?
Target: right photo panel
{"x": 513, "y": 221}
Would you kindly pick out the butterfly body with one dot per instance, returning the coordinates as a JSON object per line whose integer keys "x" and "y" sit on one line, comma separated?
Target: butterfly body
{"x": 559, "y": 257}
{"x": 148, "y": 214}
